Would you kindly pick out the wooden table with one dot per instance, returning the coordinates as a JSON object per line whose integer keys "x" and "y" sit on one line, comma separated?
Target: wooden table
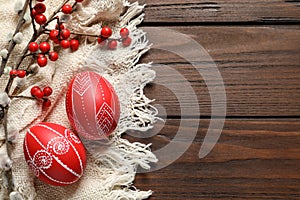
{"x": 256, "y": 47}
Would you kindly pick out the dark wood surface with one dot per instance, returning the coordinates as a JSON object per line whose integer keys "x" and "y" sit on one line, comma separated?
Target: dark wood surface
{"x": 256, "y": 47}
{"x": 261, "y": 11}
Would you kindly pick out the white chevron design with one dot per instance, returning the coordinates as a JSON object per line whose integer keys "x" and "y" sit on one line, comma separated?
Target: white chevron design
{"x": 82, "y": 83}
{"x": 105, "y": 118}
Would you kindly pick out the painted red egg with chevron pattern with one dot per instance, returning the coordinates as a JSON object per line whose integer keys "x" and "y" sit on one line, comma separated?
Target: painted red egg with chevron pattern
{"x": 92, "y": 106}
{"x": 54, "y": 154}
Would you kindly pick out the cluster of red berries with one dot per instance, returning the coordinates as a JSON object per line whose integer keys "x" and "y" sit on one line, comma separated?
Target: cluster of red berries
{"x": 60, "y": 35}
{"x": 17, "y": 73}
{"x": 38, "y": 93}
{"x": 44, "y": 49}
{"x": 39, "y": 9}
{"x": 112, "y": 44}
{"x": 37, "y": 13}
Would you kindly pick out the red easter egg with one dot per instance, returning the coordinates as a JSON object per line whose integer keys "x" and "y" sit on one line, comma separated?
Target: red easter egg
{"x": 54, "y": 154}
{"x": 92, "y": 106}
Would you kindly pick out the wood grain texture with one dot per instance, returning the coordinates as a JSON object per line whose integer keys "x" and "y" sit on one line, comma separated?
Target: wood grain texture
{"x": 260, "y": 67}
{"x": 256, "y": 47}
{"x": 261, "y": 11}
{"x": 254, "y": 159}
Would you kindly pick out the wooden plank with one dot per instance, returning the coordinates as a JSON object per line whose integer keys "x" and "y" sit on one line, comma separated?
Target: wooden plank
{"x": 254, "y": 159}
{"x": 259, "y": 66}
{"x": 177, "y": 11}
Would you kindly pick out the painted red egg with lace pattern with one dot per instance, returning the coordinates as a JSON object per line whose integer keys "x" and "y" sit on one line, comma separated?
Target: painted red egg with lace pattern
{"x": 92, "y": 106}
{"x": 54, "y": 154}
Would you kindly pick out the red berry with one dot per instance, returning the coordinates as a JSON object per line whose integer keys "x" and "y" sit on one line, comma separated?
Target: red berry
{"x": 13, "y": 73}
{"x": 33, "y": 47}
{"x": 47, "y": 91}
{"x": 56, "y": 41}
{"x": 74, "y": 44}
{"x": 40, "y": 55}
{"x": 53, "y": 34}
{"x": 40, "y": 19}
{"x": 65, "y": 34}
{"x": 112, "y": 44}
{"x": 79, "y": 1}
{"x": 40, "y": 8}
{"x": 102, "y": 41}
{"x": 124, "y": 32}
{"x": 44, "y": 47}
{"x": 38, "y": 93}
{"x": 53, "y": 56}
{"x": 34, "y": 89}
{"x": 21, "y": 73}
{"x": 46, "y": 103}
{"x": 65, "y": 44}
{"x": 106, "y": 32}
{"x": 126, "y": 42}
{"x": 67, "y": 9}
{"x": 42, "y": 61}
{"x": 33, "y": 13}
{"x": 61, "y": 26}
{"x": 40, "y": 0}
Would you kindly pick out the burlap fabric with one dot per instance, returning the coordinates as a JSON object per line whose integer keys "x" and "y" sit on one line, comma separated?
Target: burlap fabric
{"x": 111, "y": 168}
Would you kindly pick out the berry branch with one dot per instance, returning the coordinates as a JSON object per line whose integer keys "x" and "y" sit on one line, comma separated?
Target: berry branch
{"x": 11, "y": 46}
{"x": 32, "y": 19}
{"x": 36, "y": 34}
{"x": 8, "y": 173}
{"x": 12, "y": 43}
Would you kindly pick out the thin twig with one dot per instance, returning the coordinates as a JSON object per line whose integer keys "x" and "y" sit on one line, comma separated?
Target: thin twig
{"x": 74, "y": 5}
{"x": 58, "y": 25}
{"x": 12, "y": 44}
{"x": 21, "y": 97}
{"x": 30, "y": 54}
{"x": 8, "y": 173}
{"x": 96, "y": 36}
{"x": 32, "y": 18}
{"x": 51, "y": 20}
{"x": 55, "y": 12}
{"x": 83, "y": 34}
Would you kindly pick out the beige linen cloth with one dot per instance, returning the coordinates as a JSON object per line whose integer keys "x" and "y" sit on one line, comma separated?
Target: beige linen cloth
{"x": 111, "y": 169}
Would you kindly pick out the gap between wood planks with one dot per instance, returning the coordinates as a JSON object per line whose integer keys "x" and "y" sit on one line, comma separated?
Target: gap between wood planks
{"x": 267, "y": 22}
{"x": 259, "y": 66}
{"x": 230, "y": 117}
